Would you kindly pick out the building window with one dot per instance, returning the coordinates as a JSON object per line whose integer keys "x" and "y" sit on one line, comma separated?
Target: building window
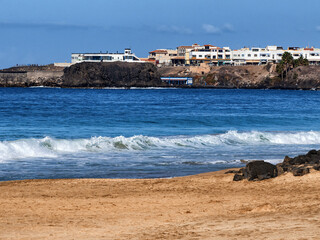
{"x": 255, "y": 55}
{"x": 127, "y": 57}
{"x": 107, "y": 58}
{"x": 249, "y": 55}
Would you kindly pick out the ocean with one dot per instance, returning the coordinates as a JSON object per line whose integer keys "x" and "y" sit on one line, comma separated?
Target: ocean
{"x": 150, "y": 133}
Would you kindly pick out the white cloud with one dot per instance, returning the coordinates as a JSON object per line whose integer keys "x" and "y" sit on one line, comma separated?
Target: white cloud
{"x": 174, "y": 29}
{"x": 52, "y": 26}
{"x": 208, "y": 28}
{"x": 211, "y": 29}
{"x": 227, "y": 27}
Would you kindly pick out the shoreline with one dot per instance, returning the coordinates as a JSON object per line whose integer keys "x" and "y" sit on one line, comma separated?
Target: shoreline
{"x": 128, "y": 75}
{"x": 164, "y": 87}
{"x": 203, "y": 206}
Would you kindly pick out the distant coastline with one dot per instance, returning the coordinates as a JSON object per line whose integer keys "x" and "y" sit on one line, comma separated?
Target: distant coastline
{"x": 143, "y": 75}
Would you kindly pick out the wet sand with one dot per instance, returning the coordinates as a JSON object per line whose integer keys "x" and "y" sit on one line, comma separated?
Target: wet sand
{"x": 205, "y": 206}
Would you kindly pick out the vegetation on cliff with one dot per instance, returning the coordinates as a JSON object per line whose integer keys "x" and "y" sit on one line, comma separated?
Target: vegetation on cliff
{"x": 287, "y": 63}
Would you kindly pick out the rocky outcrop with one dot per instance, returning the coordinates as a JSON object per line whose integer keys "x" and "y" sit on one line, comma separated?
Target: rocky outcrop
{"x": 30, "y": 78}
{"x": 301, "y": 164}
{"x": 260, "y": 170}
{"x": 264, "y": 77}
{"x": 95, "y": 75}
{"x": 119, "y": 74}
{"x": 257, "y": 170}
{"x": 115, "y": 74}
{"x": 253, "y": 77}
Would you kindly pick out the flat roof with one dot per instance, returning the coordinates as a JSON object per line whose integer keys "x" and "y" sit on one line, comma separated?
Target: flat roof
{"x": 104, "y": 53}
{"x": 159, "y": 51}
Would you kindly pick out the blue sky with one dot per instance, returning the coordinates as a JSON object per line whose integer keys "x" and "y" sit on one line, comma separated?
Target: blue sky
{"x": 47, "y": 31}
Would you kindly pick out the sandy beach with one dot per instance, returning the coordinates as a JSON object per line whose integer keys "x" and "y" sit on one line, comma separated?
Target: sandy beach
{"x": 205, "y": 206}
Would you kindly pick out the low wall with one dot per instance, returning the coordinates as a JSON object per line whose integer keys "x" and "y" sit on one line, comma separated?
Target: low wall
{"x": 33, "y": 76}
{"x": 62, "y": 64}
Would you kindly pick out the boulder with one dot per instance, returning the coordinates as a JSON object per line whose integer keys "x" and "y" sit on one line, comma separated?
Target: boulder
{"x": 316, "y": 167}
{"x": 259, "y": 170}
{"x": 238, "y": 177}
{"x": 299, "y": 166}
{"x": 312, "y": 157}
{"x": 300, "y": 171}
{"x": 284, "y": 167}
{"x": 256, "y": 170}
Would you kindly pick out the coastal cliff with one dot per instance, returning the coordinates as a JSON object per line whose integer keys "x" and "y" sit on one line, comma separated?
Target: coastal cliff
{"x": 255, "y": 77}
{"x": 119, "y": 74}
{"x": 97, "y": 75}
{"x": 115, "y": 74}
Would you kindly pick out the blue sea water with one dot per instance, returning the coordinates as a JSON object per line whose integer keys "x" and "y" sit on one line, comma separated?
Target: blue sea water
{"x": 149, "y": 133}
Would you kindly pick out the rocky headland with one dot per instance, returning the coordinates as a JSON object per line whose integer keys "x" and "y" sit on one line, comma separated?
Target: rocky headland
{"x": 83, "y": 75}
{"x": 119, "y": 74}
{"x": 248, "y": 77}
{"x": 115, "y": 74}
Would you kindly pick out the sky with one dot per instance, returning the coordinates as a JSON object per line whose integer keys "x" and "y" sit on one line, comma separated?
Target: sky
{"x": 48, "y": 31}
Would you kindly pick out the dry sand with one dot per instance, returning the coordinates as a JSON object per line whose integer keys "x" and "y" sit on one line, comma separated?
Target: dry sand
{"x": 205, "y": 206}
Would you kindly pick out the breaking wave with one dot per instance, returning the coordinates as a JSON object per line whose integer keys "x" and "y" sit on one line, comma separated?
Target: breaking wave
{"x": 51, "y": 147}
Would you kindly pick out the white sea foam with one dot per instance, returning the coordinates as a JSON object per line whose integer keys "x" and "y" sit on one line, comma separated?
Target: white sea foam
{"x": 51, "y": 147}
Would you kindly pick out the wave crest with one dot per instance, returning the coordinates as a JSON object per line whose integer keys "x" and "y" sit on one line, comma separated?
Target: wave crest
{"x": 51, "y": 147}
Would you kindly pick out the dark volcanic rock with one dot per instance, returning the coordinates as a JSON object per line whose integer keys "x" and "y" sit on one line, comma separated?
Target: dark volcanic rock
{"x": 260, "y": 170}
{"x": 232, "y": 171}
{"x": 301, "y": 164}
{"x": 256, "y": 170}
{"x": 300, "y": 171}
{"x": 116, "y": 74}
{"x": 316, "y": 167}
{"x": 238, "y": 177}
{"x": 312, "y": 157}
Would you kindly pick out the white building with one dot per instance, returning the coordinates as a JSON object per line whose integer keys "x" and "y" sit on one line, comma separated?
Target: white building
{"x": 210, "y": 54}
{"x": 127, "y": 56}
{"x": 273, "y": 54}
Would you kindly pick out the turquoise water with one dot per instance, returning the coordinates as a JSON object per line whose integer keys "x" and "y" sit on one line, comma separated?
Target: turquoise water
{"x": 147, "y": 133}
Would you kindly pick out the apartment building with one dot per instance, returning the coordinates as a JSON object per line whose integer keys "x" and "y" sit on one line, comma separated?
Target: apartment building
{"x": 192, "y": 55}
{"x": 273, "y": 54}
{"x": 211, "y": 55}
{"x": 163, "y": 56}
